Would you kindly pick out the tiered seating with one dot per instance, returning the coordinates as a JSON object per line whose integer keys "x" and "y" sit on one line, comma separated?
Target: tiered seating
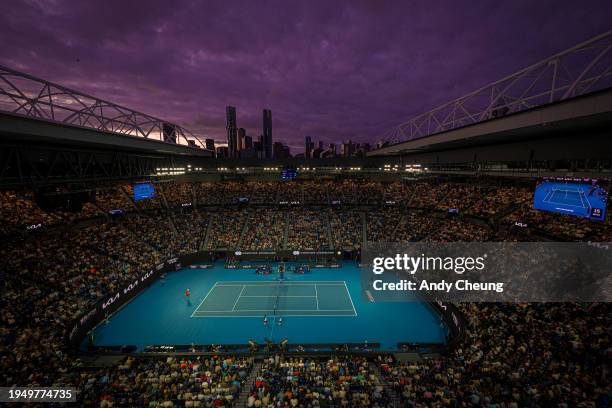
{"x": 191, "y": 227}
{"x": 264, "y": 192}
{"x": 347, "y": 231}
{"x": 505, "y": 362}
{"x": 342, "y": 191}
{"x": 455, "y": 195}
{"x": 225, "y": 229}
{"x": 381, "y": 225}
{"x": 308, "y": 231}
{"x": 290, "y": 191}
{"x": 457, "y": 230}
{"x": 19, "y": 211}
{"x": 514, "y": 355}
{"x": 493, "y": 200}
{"x": 265, "y": 230}
{"x": 397, "y": 191}
{"x": 428, "y": 194}
{"x": 369, "y": 193}
{"x": 560, "y": 225}
{"x": 415, "y": 226}
{"x": 114, "y": 197}
{"x": 154, "y": 230}
{"x": 207, "y": 193}
{"x": 168, "y": 382}
{"x": 342, "y": 381}
{"x": 118, "y": 242}
{"x": 315, "y": 192}
{"x": 178, "y": 194}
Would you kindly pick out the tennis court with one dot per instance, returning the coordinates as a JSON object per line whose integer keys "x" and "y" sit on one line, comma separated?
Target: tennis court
{"x": 227, "y": 307}
{"x": 570, "y": 198}
{"x": 257, "y": 299}
{"x": 567, "y": 196}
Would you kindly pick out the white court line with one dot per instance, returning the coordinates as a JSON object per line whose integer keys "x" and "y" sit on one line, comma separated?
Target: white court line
{"x": 243, "y": 284}
{"x": 549, "y": 197}
{"x": 238, "y": 298}
{"x": 546, "y": 197}
{"x": 285, "y": 315}
{"x": 274, "y": 283}
{"x": 550, "y": 201}
{"x": 350, "y": 298}
{"x": 278, "y": 310}
{"x": 283, "y": 296}
{"x": 564, "y": 209}
{"x": 582, "y": 201}
{"x": 568, "y": 205}
{"x": 285, "y": 284}
{"x": 589, "y": 202}
{"x": 567, "y": 190}
{"x": 211, "y": 289}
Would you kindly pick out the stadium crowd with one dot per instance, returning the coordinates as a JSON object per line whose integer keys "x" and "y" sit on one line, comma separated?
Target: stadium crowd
{"x": 384, "y": 203}
{"x": 337, "y": 381}
{"x": 166, "y": 382}
{"x": 515, "y": 355}
{"x": 57, "y": 265}
{"x": 265, "y": 230}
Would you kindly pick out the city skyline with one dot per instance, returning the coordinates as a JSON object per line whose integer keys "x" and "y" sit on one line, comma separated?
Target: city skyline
{"x": 241, "y": 145}
{"x": 330, "y": 71}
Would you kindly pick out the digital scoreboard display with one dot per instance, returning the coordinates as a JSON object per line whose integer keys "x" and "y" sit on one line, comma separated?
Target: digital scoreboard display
{"x": 582, "y": 197}
{"x": 289, "y": 173}
{"x": 143, "y": 191}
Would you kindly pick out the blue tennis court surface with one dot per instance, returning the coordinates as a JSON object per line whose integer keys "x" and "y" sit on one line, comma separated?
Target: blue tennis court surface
{"x": 257, "y": 299}
{"x": 578, "y": 199}
{"x": 227, "y": 307}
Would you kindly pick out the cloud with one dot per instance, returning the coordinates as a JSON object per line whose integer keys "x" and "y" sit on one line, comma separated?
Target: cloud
{"x": 331, "y": 70}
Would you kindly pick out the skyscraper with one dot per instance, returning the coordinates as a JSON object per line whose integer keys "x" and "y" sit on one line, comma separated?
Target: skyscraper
{"x": 267, "y": 133}
{"x": 308, "y": 145}
{"x": 348, "y": 148}
{"x": 277, "y": 148}
{"x": 222, "y": 152}
{"x": 232, "y": 142}
{"x": 332, "y": 149}
{"x": 241, "y": 141}
{"x": 210, "y": 144}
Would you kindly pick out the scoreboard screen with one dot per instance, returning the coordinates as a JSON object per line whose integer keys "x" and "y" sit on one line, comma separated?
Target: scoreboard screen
{"x": 582, "y": 197}
{"x": 289, "y": 173}
{"x": 143, "y": 191}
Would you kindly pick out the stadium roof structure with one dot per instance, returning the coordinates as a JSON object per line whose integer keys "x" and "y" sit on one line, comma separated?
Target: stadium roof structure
{"x": 580, "y": 70}
{"x": 25, "y": 96}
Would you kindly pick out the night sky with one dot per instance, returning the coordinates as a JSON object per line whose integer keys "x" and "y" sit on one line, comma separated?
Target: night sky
{"x": 333, "y": 70}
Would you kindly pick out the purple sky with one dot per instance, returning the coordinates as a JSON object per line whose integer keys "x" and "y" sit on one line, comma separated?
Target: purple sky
{"x": 333, "y": 70}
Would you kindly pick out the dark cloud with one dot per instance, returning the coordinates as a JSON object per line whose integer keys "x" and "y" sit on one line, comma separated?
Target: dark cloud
{"x": 332, "y": 70}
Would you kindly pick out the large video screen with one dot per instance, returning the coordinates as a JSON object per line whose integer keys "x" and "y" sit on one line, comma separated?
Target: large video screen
{"x": 289, "y": 173}
{"x": 143, "y": 191}
{"x": 582, "y": 197}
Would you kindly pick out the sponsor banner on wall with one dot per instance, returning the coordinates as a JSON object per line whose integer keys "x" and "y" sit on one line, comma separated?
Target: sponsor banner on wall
{"x": 327, "y": 265}
{"x": 112, "y": 302}
{"x": 207, "y": 266}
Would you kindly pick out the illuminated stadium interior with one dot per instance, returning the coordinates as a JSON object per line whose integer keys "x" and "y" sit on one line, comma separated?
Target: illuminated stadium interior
{"x": 143, "y": 267}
